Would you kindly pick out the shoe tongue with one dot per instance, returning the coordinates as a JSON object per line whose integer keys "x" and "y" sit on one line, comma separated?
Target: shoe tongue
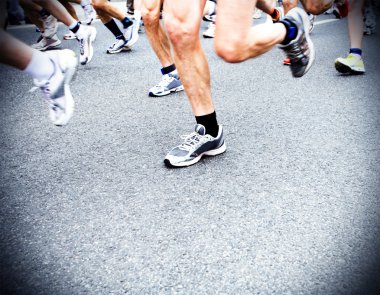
{"x": 200, "y": 129}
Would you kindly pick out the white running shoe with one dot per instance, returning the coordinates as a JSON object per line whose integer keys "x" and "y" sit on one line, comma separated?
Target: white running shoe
{"x": 57, "y": 89}
{"x": 47, "y": 43}
{"x": 69, "y": 36}
{"x": 118, "y": 46}
{"x": 86, "y": 35}
{"x": 169, "y": 83}
{"x": 50, "y": 26}
{"x": 210, "y": 32}
{"x": 89, "y": 13}
{"x": 131, "y": 34}
{"x": 196, "y": 145}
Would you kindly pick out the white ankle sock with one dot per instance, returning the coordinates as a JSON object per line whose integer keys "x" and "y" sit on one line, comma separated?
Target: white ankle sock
{"x": 40, "y": 67}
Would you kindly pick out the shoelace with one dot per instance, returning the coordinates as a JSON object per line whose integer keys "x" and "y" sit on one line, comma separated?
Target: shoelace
{"x": 190, "y": 140}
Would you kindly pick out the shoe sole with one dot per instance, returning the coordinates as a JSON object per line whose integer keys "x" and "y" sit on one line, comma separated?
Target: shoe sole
{"x": 215, "y": 152}
{"x": 69, "y": 38}
{"x": 177, "y": 89}
{"x": 91, "y": 39}
{"x": 51, "y": 46}
{"x": 208, "y": 36}
{"x": 306, "y": 25}
{"x": 207, "y": 19}
{"x": 134, "y": 38}
{"x": 119, "y": 50}
{"x": 345, "y": 69}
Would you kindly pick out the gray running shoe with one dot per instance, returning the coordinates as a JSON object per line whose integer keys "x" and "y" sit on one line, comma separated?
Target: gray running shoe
{"x": 196, "y": 145}
{"x": 168, "y": 84}
{"x": 300, "y": 51}
{"x": 56, "y": 89}
{"x": 45, "y": 43}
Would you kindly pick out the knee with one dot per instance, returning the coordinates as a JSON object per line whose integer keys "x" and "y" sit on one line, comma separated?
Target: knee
{"x": 316, "y": 7}
{"x": 231, "y": 50}
{"x": 289, "y": 4}
{"x": 150, "y": 16}
{"x": 228, "y": 53}
{"x": 98, "y": 5}
{"x": 181, "y": 32}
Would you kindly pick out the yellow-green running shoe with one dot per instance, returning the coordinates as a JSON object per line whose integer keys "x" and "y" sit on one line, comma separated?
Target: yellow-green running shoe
{"x": 352, "y": 64}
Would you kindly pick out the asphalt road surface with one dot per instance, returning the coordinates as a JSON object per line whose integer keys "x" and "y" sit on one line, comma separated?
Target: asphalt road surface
{"x": 292, "y": 207}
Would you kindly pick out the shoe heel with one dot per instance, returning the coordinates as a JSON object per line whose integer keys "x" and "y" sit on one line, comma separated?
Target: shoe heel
{"x": 217, "y": 151}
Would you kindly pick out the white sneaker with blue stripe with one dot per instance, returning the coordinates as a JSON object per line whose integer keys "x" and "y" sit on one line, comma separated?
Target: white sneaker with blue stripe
{"x": 196, "y": 145}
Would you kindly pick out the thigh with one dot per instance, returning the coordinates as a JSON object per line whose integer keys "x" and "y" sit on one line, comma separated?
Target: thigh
{"x": 187, "y": 13}
{"x": 151, "y": 5}
{"x": 317, "y": 6}
{"x": 234, "y": 18}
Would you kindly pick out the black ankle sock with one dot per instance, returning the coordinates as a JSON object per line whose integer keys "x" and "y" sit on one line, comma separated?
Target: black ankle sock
{"x": 291, "y": 31}
{"x": 210, "y": 123}
{"x": 76, "y": 28}
{"x": 115, "y": 30}
{"x": 127, "y": 22}
{"x": 167, "y": 70}
{"x": 356, "y": 51}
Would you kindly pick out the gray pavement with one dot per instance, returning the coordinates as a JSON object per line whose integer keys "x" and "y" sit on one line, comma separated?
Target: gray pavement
{"x": 292, "y": 207}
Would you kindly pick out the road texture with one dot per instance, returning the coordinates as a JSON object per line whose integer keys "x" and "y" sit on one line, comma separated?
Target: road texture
{"x": 292, "y": 207}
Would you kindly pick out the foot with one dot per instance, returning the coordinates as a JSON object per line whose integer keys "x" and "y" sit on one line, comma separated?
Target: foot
{"x": 196, "y": 145}
{"x": 168, "y": 84}
{"x": 131, "y": 34}
{"x": 44, "y": 43}
{"x": 286, "y": 61}
{"x": 57, "y": 88}
{"x": 211, "y": 13}
{"x": 69, "y": 36}
{"x": 300, "y": 50}
{"x": 50, "y": 26}
{"x": 118, "y": 46}
{"x": 89, "y": 13}
{"x": 130, "y": 13}
{"x": 86, "y": 35}
{"x": 352, "y": 64}
{"x": 210, "y": 32}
